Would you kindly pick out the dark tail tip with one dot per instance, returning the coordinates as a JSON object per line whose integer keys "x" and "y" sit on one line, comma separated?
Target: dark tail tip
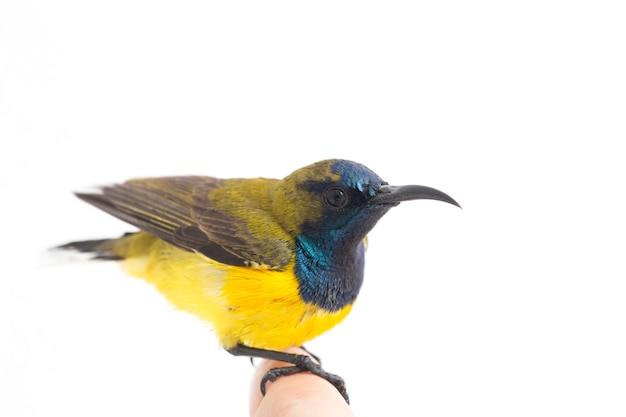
{"x": 97, "y": 247}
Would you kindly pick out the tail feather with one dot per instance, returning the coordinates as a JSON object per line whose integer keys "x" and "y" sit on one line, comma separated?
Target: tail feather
{"x": 100, "y": 248}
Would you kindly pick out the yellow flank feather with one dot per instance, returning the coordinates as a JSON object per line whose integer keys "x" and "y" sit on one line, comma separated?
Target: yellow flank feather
{"x": 258, "y": 307}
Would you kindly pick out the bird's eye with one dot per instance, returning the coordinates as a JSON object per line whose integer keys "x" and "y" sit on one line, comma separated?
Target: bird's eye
{"x": 336, "y": 197}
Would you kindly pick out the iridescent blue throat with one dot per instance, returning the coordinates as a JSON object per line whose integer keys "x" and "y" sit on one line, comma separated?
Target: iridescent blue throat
{"x": 328, "y": 279}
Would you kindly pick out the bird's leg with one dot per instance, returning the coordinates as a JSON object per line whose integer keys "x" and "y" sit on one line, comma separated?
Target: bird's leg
{"x": 302, "y": 363}
{"x": 317, "y": 358}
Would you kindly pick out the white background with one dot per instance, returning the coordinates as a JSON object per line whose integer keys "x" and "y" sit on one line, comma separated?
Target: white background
{"x": 513, "y": 306}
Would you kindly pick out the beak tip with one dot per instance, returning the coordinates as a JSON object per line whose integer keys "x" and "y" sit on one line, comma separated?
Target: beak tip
{"x": 449, "y": 200}
{"x": 455, "y": 203}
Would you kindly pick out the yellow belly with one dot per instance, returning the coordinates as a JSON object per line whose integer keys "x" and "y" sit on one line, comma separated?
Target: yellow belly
{"x": 257, "y": 307}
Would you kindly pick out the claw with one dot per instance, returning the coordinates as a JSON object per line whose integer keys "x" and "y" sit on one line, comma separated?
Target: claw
{"x": 306, "y": 365}
{"x": 302, "y": 363}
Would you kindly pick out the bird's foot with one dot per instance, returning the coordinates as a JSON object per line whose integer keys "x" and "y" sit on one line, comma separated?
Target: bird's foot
{"x": 313, "y": 355}
{"x": 305, "y": 364}
{"x": 301, "y": 363}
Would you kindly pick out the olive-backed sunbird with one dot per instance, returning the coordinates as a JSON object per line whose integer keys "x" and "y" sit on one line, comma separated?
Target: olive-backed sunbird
{"x": 269, "y": 263}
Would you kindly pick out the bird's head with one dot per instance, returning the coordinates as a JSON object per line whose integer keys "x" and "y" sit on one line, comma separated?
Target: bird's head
{"x": 338, "y": 201}
{"x": 328, "y": 208}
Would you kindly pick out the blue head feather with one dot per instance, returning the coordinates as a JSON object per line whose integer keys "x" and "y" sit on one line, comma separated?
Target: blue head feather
{"x": 357, "y": 176}
{"x": 330, "y": 251}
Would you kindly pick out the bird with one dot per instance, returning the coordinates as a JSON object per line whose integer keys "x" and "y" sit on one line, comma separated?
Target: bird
{"x": 269, "y": 263}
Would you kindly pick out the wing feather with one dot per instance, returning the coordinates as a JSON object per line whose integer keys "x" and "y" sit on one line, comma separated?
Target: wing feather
{"x": 178, "y": 210}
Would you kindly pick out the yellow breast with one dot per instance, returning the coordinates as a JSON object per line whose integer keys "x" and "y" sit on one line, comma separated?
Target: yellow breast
{"x": 254, "y": 306}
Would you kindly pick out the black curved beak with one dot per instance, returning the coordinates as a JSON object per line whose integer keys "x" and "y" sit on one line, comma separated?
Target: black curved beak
{"x": 389, "y": 194}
